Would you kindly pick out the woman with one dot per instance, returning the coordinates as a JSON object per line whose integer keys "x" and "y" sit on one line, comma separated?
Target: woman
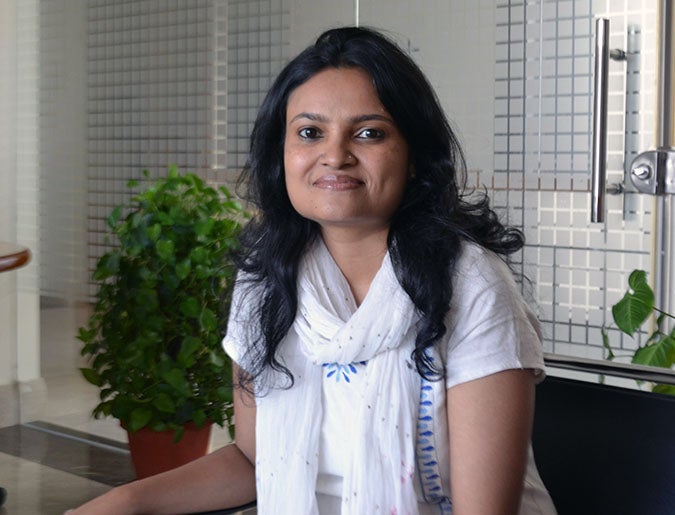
{"x": 386, "y": 358}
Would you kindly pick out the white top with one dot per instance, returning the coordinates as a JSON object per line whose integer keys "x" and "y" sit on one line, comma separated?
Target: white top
{"x": 489, "y": 329}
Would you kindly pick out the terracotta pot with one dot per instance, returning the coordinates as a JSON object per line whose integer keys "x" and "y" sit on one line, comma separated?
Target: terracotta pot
{"x": 153, "y": 452}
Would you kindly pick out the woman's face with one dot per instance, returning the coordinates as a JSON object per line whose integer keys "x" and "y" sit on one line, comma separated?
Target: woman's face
{"x": 346, "y": 162}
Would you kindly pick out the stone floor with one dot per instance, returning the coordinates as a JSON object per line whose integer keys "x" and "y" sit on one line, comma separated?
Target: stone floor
{"x": 48, "y": 466}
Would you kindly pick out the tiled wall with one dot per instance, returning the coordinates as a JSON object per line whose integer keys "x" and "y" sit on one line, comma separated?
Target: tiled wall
{"x": 62, "y": 144}
{"x": 515, "y": 77}
{"x": 453, "y": 42}
{"x": 176, "y": 82}
{"x": 259, "y": 38}
{"x": 150, "y": 101}
{"x": 543, "y": 134}
{"x": 257, "y": 48}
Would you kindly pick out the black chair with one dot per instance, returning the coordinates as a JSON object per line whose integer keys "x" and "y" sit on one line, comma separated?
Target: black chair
{"x": 605, "y": 450}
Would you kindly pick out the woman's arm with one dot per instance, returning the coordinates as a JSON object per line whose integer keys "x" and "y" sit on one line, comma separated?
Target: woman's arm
{"x": 222, "y": 479}
{"x": 489, "y": 422}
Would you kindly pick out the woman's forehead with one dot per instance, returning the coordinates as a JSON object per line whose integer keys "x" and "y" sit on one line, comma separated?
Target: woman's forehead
{"x": 345, "y": 91}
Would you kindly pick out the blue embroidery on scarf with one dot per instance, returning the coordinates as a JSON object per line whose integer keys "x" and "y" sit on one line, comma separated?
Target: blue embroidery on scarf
{"x": 344, "y": 372}
{"x": 427, "y": 463}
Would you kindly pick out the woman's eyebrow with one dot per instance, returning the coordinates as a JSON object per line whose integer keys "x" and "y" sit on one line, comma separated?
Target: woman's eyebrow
{"x": 371, "y": 117}
{"x": 316, "y": 117}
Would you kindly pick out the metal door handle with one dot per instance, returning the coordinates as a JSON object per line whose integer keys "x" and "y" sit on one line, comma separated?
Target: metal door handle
{"x": 599, "y": 156}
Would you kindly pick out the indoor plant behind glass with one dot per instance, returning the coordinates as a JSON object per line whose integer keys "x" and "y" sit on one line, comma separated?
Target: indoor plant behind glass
{"x": 154, "y": 336}
{"x": 630, "y": 313}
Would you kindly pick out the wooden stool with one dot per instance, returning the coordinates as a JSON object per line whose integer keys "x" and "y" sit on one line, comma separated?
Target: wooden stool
{"x": 12, "y": 256}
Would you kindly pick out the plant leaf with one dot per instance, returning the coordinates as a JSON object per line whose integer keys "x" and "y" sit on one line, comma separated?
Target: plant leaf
{"x": 138, "y": 419}
{"x": 188, "y": 347}
{"x": 190, "y": 307}
{"x": 183, "y": 268}
{"x": 114, "y": 217}
{"x": 175, "y": 378}
{"x": 92, "y": 376}
{"x": 208, "y": 320}
{"x": 225, "y": 394}
{"x": 667, "y": 389}
{"x": 178, "y": 434}
{"x": 605, "y": 343}
{"x": 198, "y": 254}
{"x": 656, "y": 355}
{"x": 154, "y": 231}
{"x": 203, "y": 227}
{"x": 636, "y": 306}
{"x": 164, "y": 403}
{"x": 199, "y": 417}
{"x": 165, "y": 250}
{"x": 107, "y": 266}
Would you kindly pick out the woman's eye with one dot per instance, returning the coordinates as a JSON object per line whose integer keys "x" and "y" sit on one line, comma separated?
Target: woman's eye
{"x": 309, "y": 133}
{"x": 370, "y": 134}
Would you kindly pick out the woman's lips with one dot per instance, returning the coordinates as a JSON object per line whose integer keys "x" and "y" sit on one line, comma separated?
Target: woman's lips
{"x": 338, "y": 182}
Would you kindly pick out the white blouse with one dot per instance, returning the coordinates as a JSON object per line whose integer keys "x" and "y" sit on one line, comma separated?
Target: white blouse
{"x": 489, "y": 329}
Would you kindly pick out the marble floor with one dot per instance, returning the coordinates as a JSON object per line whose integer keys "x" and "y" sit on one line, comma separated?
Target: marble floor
{"x": 50, "y": 465}
{"x": 66, "y": 457}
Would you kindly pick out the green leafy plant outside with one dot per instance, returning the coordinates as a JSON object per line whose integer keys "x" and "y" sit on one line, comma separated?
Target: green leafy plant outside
{"x": 154, "y": 336}
{"x": 633, "y": 310}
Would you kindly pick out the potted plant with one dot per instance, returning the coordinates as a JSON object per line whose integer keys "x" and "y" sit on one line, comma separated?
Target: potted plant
{"x": 154, "y": 336}
{"x": 634, "y": 308}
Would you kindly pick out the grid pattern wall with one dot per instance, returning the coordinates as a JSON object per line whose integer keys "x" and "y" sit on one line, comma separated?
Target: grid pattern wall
{"x": 150, "y": 98}
{"x": 25, "y": 129}
{"x": 62, "y": 150}
{"x": 431, "y": 32}
{"x": 543, "y": 99}
{"x": 257, "y": 48}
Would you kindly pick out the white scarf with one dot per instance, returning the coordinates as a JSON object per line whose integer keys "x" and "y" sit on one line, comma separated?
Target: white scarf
{"x": 380, "y": 476}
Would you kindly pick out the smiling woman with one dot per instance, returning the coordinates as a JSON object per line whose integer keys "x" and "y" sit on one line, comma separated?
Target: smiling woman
{"x": 346, "y": 162}
{"x": 386, "y": 359}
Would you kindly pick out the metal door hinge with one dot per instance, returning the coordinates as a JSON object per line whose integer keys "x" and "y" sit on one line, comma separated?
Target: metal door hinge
{"x": 653, "y": 172}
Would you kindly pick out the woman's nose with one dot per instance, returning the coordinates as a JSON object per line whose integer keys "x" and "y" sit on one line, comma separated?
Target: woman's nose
{"x": 337, "y": 154}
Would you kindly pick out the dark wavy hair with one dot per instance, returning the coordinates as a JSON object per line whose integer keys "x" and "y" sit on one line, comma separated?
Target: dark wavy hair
{"x": 427, "y": 229}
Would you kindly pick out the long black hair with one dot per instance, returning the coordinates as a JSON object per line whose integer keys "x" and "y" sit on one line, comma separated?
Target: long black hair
{"x": 427, "y": 229}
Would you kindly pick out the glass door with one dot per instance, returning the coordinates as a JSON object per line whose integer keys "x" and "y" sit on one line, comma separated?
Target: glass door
{"x": 516, "y": 80}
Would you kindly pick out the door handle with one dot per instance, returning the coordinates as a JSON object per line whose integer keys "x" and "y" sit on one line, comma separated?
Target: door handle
{"x": 599, "y": 151}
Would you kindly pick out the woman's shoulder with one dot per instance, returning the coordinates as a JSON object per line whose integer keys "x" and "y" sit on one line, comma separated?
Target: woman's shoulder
{"x": 478, "y": 267}
{"x": 489, "y": 325}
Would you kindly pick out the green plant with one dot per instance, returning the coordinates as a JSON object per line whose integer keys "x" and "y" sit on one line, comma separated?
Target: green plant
{"x": 636, "y": 306}
{"x": 154, "y": 336}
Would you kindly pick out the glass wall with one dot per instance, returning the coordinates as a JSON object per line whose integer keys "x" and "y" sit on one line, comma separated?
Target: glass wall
{"x": 124, "y": 86}
{"x": 517, "y": 79}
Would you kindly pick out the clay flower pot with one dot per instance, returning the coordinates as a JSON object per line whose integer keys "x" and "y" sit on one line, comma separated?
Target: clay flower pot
{"x": 153, "y": 452}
